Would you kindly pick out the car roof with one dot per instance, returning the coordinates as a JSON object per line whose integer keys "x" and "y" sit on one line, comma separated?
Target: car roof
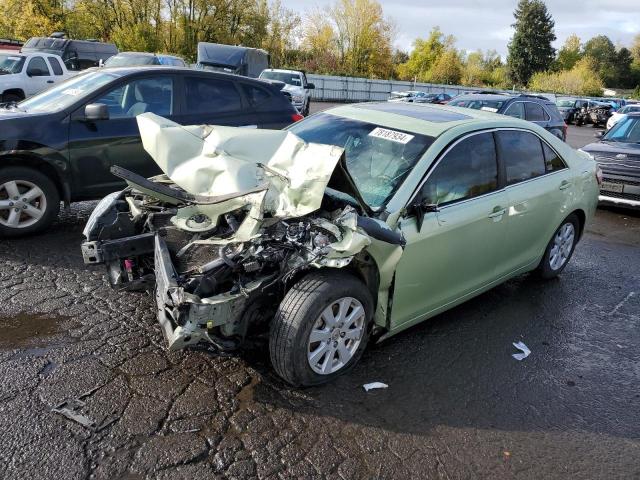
{"x": 421, "y": 118}
{"x": 281, "y": 70}
{"x": 135, "y": 69}
{"x": 142, "y": 54}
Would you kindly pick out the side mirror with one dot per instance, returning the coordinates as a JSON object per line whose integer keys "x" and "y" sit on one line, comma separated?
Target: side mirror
{"x": 598, "y": 134}
{"x": 96, "y": 111}
{"x": 310, "y": 86}
{"x": 419, "y": 208}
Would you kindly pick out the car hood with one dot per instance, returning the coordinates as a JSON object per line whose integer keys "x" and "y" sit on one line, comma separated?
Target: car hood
{"x": 293, "y": 89}
{"x": 274, "y": 167}
{"x": 611, "y": 149}
{"x": 13, "y": 114}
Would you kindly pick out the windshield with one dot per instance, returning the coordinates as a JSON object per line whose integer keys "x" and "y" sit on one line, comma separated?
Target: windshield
{"x": 288, "y": 78}
{"x": 11, "y": 63}
{"x": 131, "y": 60}
{"x": 630, "y": 108}
{"x": 378, "y": 158}
{"x": 66, "y": 93}
{"x": 565, "y": 103}
{"x": 626, "y": 130}
{"x": 478, "y": 104}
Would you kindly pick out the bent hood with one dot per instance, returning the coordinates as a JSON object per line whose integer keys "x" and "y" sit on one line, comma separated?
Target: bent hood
{"x": 214, "y": 161}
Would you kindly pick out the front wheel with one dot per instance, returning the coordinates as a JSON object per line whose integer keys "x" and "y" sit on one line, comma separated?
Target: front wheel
{"x": 29, "y": 201}
{"x": 560, "y": 248}
{"x": 305, "y": 110}
{"x": 321, "y": 328}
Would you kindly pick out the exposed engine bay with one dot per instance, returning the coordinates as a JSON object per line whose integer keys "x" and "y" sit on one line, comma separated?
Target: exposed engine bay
{"x": 220, "y": 236}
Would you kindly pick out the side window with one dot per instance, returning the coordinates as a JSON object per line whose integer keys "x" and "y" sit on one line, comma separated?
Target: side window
{"x": 140, "y": 96}
{"x": 255, "y": 95}
{"x": 37, "y": 67}
{"x": 468, "y": 170}
{"x": 55, "y": 65}
{"x": 516, "y": 110}
{"x": 552, "y": 160}
{"x": 522, "y": 155}
{"x": 208, "y": 95}
{"x": 535, "y": 112}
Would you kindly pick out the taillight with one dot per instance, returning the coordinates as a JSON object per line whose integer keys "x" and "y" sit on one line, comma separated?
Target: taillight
{"x": 598, "y": 174}
{"x": 296, "y": 117}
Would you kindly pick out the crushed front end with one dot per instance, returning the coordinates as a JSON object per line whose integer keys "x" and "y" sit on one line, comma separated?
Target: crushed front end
{"x": 218, "y": 253}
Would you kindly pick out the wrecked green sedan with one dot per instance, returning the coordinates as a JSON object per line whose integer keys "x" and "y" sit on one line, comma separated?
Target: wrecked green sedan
{"x": 357, "y": 222}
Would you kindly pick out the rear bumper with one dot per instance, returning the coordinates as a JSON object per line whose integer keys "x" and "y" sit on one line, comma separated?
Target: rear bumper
{"x": 619, "y": 202}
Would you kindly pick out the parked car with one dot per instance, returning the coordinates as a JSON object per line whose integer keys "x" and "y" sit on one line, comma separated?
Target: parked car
{"x": 61, "y": 143}
{"x": 414, "y": 96}
{"x": 568, "y": 108}
{"x": 591, "y": 110}
{"x": 10, "y": 45}
{"x": 76, "y": 54}
{"x": 133, "y": 59}
{"x": 620, "y": 114}
{"x": 356, "y": 222}
{"x": 25, "y": 74}
{"x": 295, "y": 83}
{"x": 537, "y": 109}
{"x": 618, "y": 155}
{"x": 245, "y": 61}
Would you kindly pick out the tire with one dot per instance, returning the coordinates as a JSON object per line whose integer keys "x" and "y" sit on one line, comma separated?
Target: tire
{"x": 302, "y": 310}
{"x": 552, "y": 265}
{"x": 305, "y": 111}
{"x": 11, "y": 97}
{"x": 46, "y": 201}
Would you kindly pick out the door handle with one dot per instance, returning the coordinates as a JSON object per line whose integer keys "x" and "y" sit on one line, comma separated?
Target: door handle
{"x": 49, "y": 81}
{"x": 564, "y": 184}
{"x": 497, "y": 212}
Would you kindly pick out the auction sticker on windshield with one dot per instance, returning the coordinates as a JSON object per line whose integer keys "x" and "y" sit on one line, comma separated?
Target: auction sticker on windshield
{"x": 393, "y": 135}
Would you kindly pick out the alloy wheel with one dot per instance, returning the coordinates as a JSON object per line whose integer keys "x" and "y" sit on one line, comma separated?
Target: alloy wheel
{"x": 336, "y": 335}
{"x": 22, "y": 204}
{"x": 562, "y": 246}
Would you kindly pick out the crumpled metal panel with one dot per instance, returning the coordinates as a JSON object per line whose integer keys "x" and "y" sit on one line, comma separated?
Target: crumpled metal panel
{"x": 213, "y": 160}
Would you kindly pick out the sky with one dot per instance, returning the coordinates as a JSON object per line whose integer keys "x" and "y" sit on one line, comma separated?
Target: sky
{"x": 486, "y": 24}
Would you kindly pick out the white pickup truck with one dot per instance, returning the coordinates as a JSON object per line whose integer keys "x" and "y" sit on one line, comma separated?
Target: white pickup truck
{"x": 25, "y": 74}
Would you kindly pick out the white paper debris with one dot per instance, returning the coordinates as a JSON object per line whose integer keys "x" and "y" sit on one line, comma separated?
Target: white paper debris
{"x": 525, "y": 351}
{"x": 374, "y": 385}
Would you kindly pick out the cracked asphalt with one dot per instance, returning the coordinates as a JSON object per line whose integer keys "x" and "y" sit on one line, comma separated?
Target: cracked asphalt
{"x": 88, "y": 390}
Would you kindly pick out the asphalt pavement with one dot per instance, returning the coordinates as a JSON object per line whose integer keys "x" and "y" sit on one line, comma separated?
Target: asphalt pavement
{"x": 89, "y": 390}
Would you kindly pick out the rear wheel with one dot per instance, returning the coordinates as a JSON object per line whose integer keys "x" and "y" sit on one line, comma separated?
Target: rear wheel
{"x": 560, "y": 248}
{"x": 11, "y": 97}
{"x": 321, "y": 328}
{"x": 29, "y": 201}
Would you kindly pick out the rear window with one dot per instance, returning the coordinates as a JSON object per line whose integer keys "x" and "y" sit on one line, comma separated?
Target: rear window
{"x": 535, "y": 112}
{"x": 55, "y": 65}
{"x": 523, "y": 156}
{"x": 211, "y": 95}
{"x": 479, "y": 104}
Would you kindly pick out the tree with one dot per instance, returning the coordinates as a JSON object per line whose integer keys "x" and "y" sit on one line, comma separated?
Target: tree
{"x": 447, "y": 68}
{"x": 581, "y": 80}
{"x": 530, "y": 49}
{"x": 624, "y": 75}
{"x": 570, "y": 53}
{"x": 424, "y": 55}
{"x": 602, "y": 52}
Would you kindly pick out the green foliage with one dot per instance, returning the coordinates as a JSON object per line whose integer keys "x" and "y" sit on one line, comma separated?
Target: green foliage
{"x": 530, "y": 49}
{"x": 569, "y": 54}
{"x": 432, "y": 59}
{"x": 602, "y": 52}
{"x": 581, "y": 80}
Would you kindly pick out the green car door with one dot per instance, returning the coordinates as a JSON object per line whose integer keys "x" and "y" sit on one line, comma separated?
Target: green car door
{"x": 537, "y": 183}
{"x": 458, "y": 249}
